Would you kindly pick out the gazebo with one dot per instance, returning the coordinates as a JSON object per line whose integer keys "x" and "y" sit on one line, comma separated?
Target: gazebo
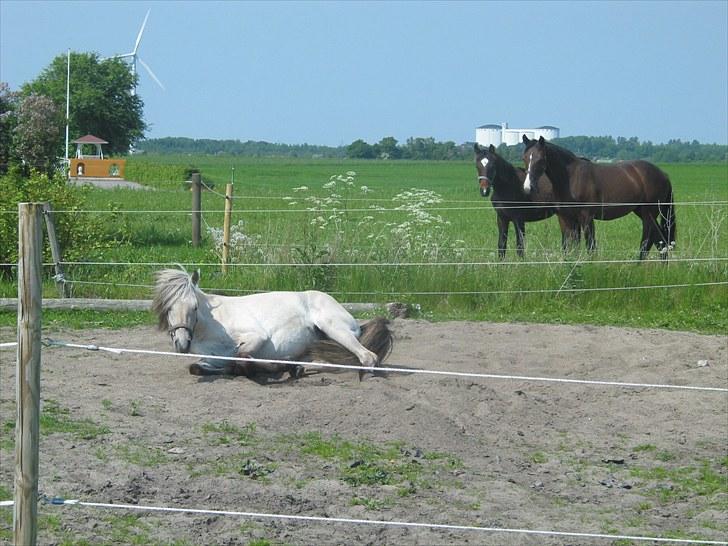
{"x": 94, "y": 165}
{"x": 92, "y": 140}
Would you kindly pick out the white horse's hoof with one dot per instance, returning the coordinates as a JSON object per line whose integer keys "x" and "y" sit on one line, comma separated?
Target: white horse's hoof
{"x": 369, "y": 359}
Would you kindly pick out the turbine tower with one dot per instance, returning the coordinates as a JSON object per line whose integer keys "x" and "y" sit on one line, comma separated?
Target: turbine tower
{"x": 134, "y": 56}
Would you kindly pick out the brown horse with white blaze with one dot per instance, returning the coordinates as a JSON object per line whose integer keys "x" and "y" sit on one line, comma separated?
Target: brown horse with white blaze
{"x": 511, "y": 204}
{"x": 586, "y": 191}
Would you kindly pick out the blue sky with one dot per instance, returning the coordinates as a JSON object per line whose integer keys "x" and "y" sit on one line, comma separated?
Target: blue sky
{"x": 333, "y": 72}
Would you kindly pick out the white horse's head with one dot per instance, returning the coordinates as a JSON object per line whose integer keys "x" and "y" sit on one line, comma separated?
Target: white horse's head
{"x": 175, "y": 302}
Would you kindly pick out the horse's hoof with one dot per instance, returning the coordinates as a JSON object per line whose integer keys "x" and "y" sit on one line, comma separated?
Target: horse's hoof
{"x": 296, "y": 371}
{"x": 196, "y": 369}
{"x": 362, "y": 373}
{"x": 239, "y": 368}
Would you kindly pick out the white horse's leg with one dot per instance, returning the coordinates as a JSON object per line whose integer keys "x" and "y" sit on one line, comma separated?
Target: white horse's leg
{"x": 341, "y": 333}
{"x": 209, "y": 367}
{"x": 248, "y": 343}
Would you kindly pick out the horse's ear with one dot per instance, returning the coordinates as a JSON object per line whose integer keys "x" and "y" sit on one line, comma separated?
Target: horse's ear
{"x": 491, "y": 149}
{"x": 196, "y": 277}
{"x": 541, "y": 140}
{"x": 525, "y": 140}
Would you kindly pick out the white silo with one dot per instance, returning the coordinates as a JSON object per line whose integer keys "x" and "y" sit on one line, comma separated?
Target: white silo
{"x": 485, "y": 135}
{"x": 512, "y": 136}
{"x": 549, "y": 132}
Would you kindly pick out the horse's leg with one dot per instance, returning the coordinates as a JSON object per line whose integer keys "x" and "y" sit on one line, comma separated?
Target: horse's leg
{"x": 591, "y": 232}
{"x": 567, "y": 234}
{"x": 241, "y": 367}
{"x": 576, "y": 230}
{"x": 296, "y": 371}
{"x": 570, "y": 233}
{"x": 520, "y": 232}
{"x": 502, "y": 234}
{"x": 587, "y": 222}
{"x": 247, "y": 345}
{"x": 648, "y": 222}
{"x": 339, "y": 331}
{"x": 654, "y": 234}
{"x": 210, "y": 367}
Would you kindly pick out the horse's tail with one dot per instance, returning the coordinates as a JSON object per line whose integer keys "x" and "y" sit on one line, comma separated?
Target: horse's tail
{"x": 375, "y": 336}
{"x": 668, "y": 222}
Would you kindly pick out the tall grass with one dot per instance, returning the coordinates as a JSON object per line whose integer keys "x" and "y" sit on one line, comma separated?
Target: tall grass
{"x": 331, "y": 236}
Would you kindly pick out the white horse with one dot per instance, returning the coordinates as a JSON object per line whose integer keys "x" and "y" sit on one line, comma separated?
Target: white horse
{"x": 305, "y": 326}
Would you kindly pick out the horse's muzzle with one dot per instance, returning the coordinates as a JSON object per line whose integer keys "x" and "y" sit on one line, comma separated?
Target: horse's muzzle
{"x": 181, "y": 338}
{"x": 484, "y": 186}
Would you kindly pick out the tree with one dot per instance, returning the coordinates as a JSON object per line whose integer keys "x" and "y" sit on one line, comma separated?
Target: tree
{"x": 360, "y": 150}
{"x": 388, "y": 148}
{"x": 102, "y": 100}
{"x": 37, "y": 132}
{"x": 8, "y": 121}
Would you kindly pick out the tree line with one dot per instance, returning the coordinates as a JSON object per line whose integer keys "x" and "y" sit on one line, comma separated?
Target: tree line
{"x": 249, "y": 148}
{"x": 103, "y": 103}
{"x": 602, "y": 148}
{"x": 607, "y": 148}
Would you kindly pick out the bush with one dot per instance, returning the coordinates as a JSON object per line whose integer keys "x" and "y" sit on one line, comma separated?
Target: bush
{"x": 78, "y": 234}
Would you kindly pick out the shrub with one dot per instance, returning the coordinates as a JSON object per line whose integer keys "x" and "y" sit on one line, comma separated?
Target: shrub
{"x": 78, "y": 234}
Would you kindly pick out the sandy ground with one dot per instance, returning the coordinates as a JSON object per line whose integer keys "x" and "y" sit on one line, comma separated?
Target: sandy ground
{"x": 495, "y": 453}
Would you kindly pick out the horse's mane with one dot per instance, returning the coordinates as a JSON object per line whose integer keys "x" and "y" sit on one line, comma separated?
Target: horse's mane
{"x": 504, "y": 164}
{"x": 170, "y": 285}
{"x": 568, "y": 155}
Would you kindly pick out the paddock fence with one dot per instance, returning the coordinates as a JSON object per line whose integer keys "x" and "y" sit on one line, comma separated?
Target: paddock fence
{"x": 29, "y": 344}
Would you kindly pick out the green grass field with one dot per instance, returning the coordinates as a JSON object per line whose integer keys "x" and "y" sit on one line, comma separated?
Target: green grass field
{"x": 385, "y": 244}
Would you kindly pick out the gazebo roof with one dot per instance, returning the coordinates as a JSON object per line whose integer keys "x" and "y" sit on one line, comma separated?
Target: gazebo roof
{"x": 89, "y": 139}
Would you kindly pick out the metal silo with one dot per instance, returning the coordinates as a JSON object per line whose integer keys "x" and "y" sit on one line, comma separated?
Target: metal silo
{"x": 485, "y": 135}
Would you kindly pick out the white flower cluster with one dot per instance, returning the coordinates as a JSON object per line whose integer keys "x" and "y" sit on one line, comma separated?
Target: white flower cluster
{"x": 422, "y": 233}
{"x": 331, "y": 209}
{"x": 240, "y": 243}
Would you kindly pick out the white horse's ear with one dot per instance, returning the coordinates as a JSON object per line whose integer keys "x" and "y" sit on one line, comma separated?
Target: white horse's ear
{"x": 196, "y": 277}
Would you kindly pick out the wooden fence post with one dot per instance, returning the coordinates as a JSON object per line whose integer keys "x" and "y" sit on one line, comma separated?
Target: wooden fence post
{"x": 196, "y": 208}
{"x": 226, "y": 226}
{"x": 27, "y": 428}
{"x": 55, "y": 250}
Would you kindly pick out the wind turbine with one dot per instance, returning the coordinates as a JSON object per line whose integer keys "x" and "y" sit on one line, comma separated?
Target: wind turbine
{"x": 135, "y": 57}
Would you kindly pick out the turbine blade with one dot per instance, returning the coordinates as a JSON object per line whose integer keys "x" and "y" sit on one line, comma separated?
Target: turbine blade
{"x": 145, "y": 65}
{"x": 141, "y": 31}
{"x": 117, "y": 57}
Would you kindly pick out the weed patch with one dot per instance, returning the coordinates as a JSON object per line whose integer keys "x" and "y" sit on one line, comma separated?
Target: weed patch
{"x": 55, "y": 419}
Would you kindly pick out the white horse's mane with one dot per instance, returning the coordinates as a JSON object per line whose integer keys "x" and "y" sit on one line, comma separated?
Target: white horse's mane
{"x": 170, "y": 285}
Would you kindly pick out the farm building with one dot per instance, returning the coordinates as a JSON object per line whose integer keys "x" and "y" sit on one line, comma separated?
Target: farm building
{"x": 496, "y": 135}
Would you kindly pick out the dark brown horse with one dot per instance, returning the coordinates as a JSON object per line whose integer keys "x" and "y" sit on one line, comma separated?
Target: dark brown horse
{"x": 584, "y": 191}
{"x": 511, "y": 203}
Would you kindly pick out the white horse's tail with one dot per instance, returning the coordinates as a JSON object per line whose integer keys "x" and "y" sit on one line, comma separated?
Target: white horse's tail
{"x": 375, "y": 336}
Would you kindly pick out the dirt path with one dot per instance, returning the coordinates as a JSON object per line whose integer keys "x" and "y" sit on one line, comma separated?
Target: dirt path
{"x": 496, "y": 453}
{"x": 109, "y": 183}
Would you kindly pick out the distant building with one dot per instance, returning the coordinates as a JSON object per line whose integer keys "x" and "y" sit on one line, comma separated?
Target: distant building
{"x": 93, "y": 165}
{"x": 485, "y": 135}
